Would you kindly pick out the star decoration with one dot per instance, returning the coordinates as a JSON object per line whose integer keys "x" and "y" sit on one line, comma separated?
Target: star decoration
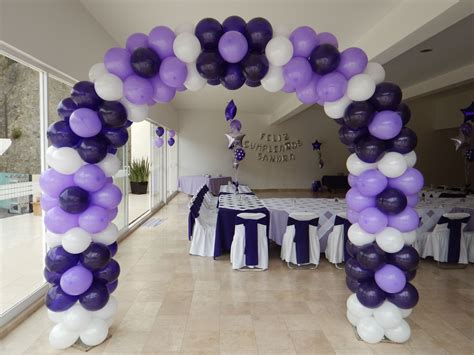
{"x": 235, "y": 139}
{"x": 316, "y": 145}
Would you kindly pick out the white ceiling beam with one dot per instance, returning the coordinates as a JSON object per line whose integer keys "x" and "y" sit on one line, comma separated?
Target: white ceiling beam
{"x": 410, "y": 23}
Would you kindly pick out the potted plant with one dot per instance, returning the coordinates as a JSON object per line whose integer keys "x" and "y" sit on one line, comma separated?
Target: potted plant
{"x": 139, "y": 172}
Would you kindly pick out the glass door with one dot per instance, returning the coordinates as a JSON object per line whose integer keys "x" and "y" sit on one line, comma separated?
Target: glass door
{"x": 157, "y": 170}
{"x": 172, "y": 166}
{"x": 121, "y": 180}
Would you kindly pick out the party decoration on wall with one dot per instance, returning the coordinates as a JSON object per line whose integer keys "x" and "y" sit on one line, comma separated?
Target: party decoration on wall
{"x": 462, "y": 142}
{"x": 317, "y": 147}
{"x": 80, "y": 199}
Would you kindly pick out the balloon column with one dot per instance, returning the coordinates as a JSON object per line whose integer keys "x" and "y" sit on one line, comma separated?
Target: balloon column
{"x": 80, "y": 200}
{"x": 234, "y": 137}
{"x": 463, "y": 141}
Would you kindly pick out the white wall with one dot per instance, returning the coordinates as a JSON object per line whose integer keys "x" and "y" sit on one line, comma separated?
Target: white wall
{"x": 203, "y": 148}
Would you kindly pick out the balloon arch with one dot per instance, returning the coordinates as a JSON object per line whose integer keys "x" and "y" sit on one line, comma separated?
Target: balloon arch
{"x": 80, "y": 199}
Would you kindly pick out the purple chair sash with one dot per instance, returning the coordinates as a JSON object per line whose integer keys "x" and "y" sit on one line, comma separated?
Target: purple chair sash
{"x": 251, "y": 239}
{"x": 454, "y": 244}
{"x": 346, "y": 224}
{"x": 301, "y": 239}
{"x": 193, "y": 214}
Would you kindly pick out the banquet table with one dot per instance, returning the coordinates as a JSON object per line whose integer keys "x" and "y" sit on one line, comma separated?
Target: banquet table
{"x": 230, "y": 189}
{"x": 215, "y": 183}
{"x": 192, "y": 183}
{"x": 436, "y": 193}
{"x": 230, "y": 205}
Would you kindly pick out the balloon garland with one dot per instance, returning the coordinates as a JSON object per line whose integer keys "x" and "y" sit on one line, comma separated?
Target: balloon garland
{"x": 80, "y": 199}
{"x": 463, "y": 141}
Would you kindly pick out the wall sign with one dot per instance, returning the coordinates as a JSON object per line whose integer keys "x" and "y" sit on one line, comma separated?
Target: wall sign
{"x": 274, "y": 148}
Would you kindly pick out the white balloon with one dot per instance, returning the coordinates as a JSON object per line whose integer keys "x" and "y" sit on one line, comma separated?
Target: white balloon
{"x": 95, "y": 333}
{"x": 392, "y": 165}
{"x": 352, "y": 318}
{"x": 360, "y": 87}
{"x": 336, "y": 109}
{"x": 61, "y": 337}
{"x": 65, "y": 160}
{"x": 96, "y": 71}
{"x": 76, "y": 240}
{"x": 49, "y": 154}
{"x": 369, "y": 330}
{"x": 107, "y": 236}
{"x": 356, "y": 308}
{"x": 109, "y": 87}
{"x": 405, "y": 312}
{"x": 388, "y": 315}
{"x": 194, "y": 81}
{"x": 135, "y": 113}
{"x": 399, "y": 334}
{"x": 358, "y": 236}
{"x": 186, "y": 47}
{"x": 376, "y": 72}
{"x": 56, "y": 317}
{"x": 357, "y": 166}
{"x": 390, "y": 240}
{"x": 279, "y": 51}
{"x": 52, "y": 239}
{"x": 410, "y": 158}
{"x": 77, "y": 318}
{"x": 409, "y": 237}
{"x": 110, "y": 165}
{"x": 273, "y": 80}
{"x": 108, "y": 311}
{"x": 184, "y": 28}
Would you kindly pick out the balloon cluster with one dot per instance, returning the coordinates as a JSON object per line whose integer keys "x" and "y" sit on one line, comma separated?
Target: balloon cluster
{"x": 234, "y": 137}
{"x": 159, "y": 141}
{"x": 463, "y": 141}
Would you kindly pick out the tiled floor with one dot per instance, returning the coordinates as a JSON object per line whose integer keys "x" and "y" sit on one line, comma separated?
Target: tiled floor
{"x": 171, "y": 302}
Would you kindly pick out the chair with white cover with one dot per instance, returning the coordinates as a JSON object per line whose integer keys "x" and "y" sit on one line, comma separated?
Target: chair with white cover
{"x": 203, "y": 230}
{"x": 447, "y": 243}
{"x": 250, "y": 243}
{"x": 300, "y": 244}
{"x": 336, "y": 245}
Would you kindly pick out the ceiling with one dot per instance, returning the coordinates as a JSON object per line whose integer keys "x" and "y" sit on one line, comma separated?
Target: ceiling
{"x": 452, "y": 48}
{"x": 348, "y": 20}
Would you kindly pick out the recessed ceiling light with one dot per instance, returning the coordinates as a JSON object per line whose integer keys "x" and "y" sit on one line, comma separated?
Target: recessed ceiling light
{"x": 426, "y": 50}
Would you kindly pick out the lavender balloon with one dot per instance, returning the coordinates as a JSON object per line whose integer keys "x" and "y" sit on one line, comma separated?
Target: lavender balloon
{"x": 90, "y": 177}
{"x": 405, "y": 221}
{"x": 59, "y": 221}
{"x": 385, "y": 125}
{"x": 171, "y": 133}
{"x": 162, "y": 92}
{"x": 371, "y": 182}
{"x": 304, "y": 40}
{"x": 135, "y": 41}
{"x": 161, "y": 39}
{"x": 235, "y": 125}
{"x": 352, "y": 216}
{"x": 76, "y": 280}
{"x": 53, "y": 183}
{"x": 94, "y": 220}
{"x": 173, "y": 72}
{"x": 85, "y": 122}
{"x": 308, "y": 94}
{"x": 352, "y": 180}
{"x": 159, "y": 142}
{"x": 353, "y": 61}
{"x": 332, "y": 86}
{"x": 327, "y": 38}
{"x": 357, "y": 202}
{"x": 297, "y": 72}
{"x": 138, "y": 90}
{"x": 372, "y": 220}
{"x": 410, "y": 183}
{"x": 233, "y": 46}
{"x": 108, "y": 197}
{"x": 47, "y": 202}
{"x": 390, "y": 279}
{"x": 117, "y": 62}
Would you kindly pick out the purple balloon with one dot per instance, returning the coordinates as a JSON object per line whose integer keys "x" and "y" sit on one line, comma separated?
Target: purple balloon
{"x": 355, "y": 271}
{"x": 390, "y": 278}
{"x": 173, "y": 72}
{"x": 112, "y": 286}
{"x": 259, "y": 33}
{"x": 353, "y": 61}
{"x": 94, "y": 220}
{"x": 407, "y": 298}
{"x": 406, "y": 259}
{"x": 327, "y": 38}
{"x": 113, "y": 114}
{"x": 109, "y": 273}
{"x": 233, "y": 77}
{"x": 112, "y": 213}
{"x": 332, "y": 86}
{"x": 235, "y": 125}
{"x": 59, "y": 260}
{"x": 171, "y": 133}
{"x": 60, "y": 135}
{"x": 145, "y": 62}
{"x": 234, "y": 23}
{"x": 85, "y": 122}
{"x": 137, "y": 90}
{"x": 117, "y": 137}
{"x": 308, "y": 94}
{"x": 352, "y": 249}
{"x": 113, "y": 248}
{"x": 161, "y": 39}
{"x": 304, "y": 40}
{"x": 297, "y": 72}
{"x": 95, "y": 257}
{"x": 47, "y": 202}
{"x": 162, "y": 92}
{"x": 370, "y": 295}
{"x": 324, "y": 59}
{"x": 371, "y": 182}
{"x": 352, "y": 216}
{"x": 93, "y": 150}
{"x": 385, "y": 124}
{"x": 159, "y": 141}
{"x": 73, "y": 199}
{"x": 76, "y": 280}
{"x": 108, "y": 197}
{"x": 372, "y": 220}
{"x": 410, "y": 182}
{"x": 96, "y": 297}
{"x": 391, "y": 201}
{"x": 135, "y": 41}
{"x": 233, "y": 46}
{"x": 83, "y": 94}
{"x": 358, "y": 202}
{"x": 59, "y": 221}
{"x": 65, "y": 108}
{"x": 171, "y": 142}
{"x": 288, "y": 88}
{"x": 57, "y": 300}
{"x": 352, "y": 180}
{"x": 405, "y": 221}
{"x": 159, "y": 131}
{"x": 208, "y": 31}
{"x": 51, "y": 276}
{"x": 230, "y": 110}
{"x": 412, "y": 200}
{"x": 352, "y": 284}
{"x": 53, "y": 183}
{"x": 117, "y": 62}
{"x": 371, "y": 257}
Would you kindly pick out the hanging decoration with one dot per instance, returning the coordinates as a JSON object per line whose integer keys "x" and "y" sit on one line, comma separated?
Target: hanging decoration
{"x": 171, "y": 135}
{"x": 463, "y": 142}
{"x": 80, "y": 199}
{"x": 317, "y": 147}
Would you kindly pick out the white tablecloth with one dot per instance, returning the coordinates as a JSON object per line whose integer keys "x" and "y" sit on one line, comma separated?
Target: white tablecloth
{"x": 240, "y": 202}
{"x": 230, "y": 189}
